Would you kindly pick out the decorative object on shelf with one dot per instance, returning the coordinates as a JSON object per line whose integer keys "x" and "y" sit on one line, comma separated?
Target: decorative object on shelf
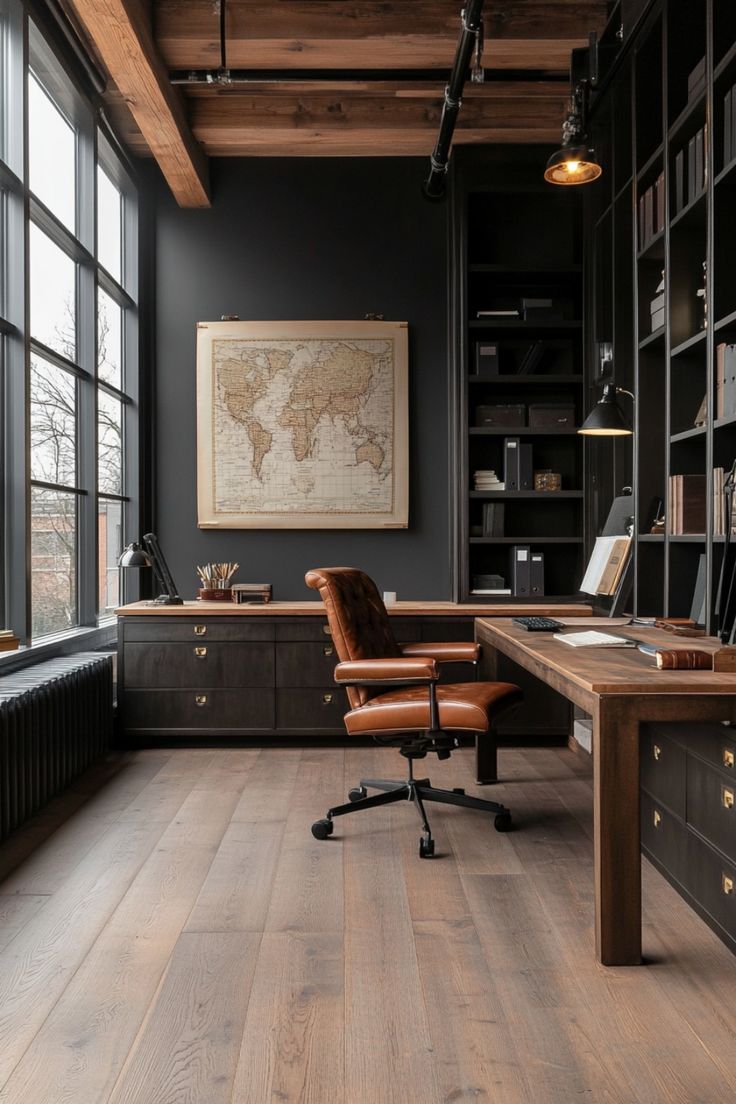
{"x": 702, "y": 295}
{"x": 547, "y": 480}
{"x": 606, "y": 419}
{"x": 149, "y": 554}
{"x": 252, "y": 593}
{"x": 302, "y": 425}
{"x": 575, "y": 162}
{"x": 215, "y": 579}
{"x": 657, "y": 305}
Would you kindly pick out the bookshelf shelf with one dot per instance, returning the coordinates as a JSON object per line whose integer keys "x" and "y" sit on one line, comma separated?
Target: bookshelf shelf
{"x": 526, "y": 540}
{"x": 550, "y": 325}
{"x": 691, "y": 343}
{"x": 520, "y": 431}
{"x": 509, "y": 380}
{"x": 652, "y": 163}
{"x": 655, "y": 338}
{"x": 688, "y": 434}
{"x": 543, "y": 496}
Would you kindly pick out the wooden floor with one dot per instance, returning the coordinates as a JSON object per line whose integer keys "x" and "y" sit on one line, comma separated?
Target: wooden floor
{"x": 171, "y": 933}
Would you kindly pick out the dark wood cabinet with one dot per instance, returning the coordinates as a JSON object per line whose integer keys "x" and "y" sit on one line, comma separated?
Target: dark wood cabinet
{"x": 688, "y": 816}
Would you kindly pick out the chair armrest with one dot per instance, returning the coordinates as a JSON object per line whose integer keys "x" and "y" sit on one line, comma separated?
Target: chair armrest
{"x": 456, "y": 651}
{"x": 390, "y": 670}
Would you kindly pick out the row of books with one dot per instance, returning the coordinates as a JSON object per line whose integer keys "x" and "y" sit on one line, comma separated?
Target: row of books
{"x": 690, "y": 171}
{"x": 651, "y": 212}
{"x": 686, "y": 504}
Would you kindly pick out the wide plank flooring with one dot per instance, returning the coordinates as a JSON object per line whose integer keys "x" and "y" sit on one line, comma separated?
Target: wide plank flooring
{"x": 171, "y": 933}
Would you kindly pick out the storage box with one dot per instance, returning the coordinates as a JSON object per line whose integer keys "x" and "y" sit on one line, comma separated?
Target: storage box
{"x": 507, "y": 415}
{"x": 552, "y": 415}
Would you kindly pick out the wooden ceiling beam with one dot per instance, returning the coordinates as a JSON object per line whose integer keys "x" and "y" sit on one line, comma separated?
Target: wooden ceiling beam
{"x": 373, "y": 34}
{"x": 120, "y": 32}
{"x": 386, "y": 122}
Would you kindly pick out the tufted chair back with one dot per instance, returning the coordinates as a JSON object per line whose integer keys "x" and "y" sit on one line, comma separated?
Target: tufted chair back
{"x": 357, "y": 618}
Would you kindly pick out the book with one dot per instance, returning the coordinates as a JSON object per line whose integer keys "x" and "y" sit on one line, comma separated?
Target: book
{"x": 593, "y": 639}
{"x": 492, "y": 590}
{"x": 497, "y": 314}
{"x": 614, "y": 568}
{"x": 532, "y": 358}
{"x": 605, "y": 560}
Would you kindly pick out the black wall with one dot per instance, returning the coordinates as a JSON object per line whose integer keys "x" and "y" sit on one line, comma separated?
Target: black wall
{"x": 304, "y": 239}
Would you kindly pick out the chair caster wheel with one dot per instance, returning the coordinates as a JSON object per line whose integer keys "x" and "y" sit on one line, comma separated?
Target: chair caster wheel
{"x": 321, "y": 829}
{"x": 459, "y": 790}
{"x": 502, "y": 822}
{"x": 357, "y": 793}
{"x": 426, "y": 847}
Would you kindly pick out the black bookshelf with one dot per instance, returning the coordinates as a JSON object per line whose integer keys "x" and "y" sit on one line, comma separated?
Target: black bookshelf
{"x": 517, "y": 239}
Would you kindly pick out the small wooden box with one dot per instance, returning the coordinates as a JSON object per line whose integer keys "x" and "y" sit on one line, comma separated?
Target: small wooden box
{"x": 547, "y": 481}
{"x": 552, "y": 415}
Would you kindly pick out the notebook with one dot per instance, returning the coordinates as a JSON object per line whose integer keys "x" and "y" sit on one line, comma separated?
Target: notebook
{"x": 592, "y": 639}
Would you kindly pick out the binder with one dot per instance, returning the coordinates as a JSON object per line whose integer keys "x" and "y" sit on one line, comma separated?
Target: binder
{"x": 511, "y": 463}
{"x": 536, "y": 573}
{"x": 520, "y": 571}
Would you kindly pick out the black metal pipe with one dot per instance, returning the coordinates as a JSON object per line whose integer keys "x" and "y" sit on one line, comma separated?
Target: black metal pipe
{"x": 470, "y": 23}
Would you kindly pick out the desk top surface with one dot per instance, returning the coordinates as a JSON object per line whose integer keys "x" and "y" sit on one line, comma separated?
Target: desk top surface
{"x": 316, "y": 609}
{"x": 606, "y": 670}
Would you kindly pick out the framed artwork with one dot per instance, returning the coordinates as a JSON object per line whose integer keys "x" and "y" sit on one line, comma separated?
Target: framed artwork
{"x": 302, "y": 425}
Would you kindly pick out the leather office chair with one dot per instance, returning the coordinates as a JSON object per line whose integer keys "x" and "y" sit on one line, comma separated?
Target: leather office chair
{"x": 395, "y": 697}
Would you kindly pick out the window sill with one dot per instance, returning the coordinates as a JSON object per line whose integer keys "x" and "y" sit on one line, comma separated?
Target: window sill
{"x": 77, "y": 640}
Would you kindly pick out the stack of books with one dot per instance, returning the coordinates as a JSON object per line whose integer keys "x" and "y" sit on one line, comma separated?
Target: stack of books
{"x": 8, "y": 640}
{"x": 686, "y": 504}
{"x": 487, "y": 481}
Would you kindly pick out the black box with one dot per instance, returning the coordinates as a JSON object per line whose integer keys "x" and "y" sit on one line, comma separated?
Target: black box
{"x": 511, "y": 415}
{"x": 486, "y": 359}
{"x": 520, "y": 571}
{"x": 551, "y": 416}
{"x": 511, "y": 463}
{"x": 536, "y": 574}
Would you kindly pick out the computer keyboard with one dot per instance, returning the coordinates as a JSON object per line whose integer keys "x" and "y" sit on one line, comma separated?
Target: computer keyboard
{"x": 538, "y": 624}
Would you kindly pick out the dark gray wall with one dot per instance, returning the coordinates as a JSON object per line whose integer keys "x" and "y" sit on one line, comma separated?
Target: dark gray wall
{"x": 304, "y": 239}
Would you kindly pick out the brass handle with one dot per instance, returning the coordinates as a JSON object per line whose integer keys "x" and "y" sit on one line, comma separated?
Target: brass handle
{"x": 327, "y": 630}
{"x": 727, "y": 798}
{"x": 327, "y": 699}
{"x": 656, "y": 751}
{"x": 200, "y": 653}
{"x": 728, "y": 758}
{"x": 200, "y": 699}
{"x": 727, "y": 884}
{"x": 200, "y": 630}
{"x": 328, "y": 650}
{"x": 657, "y": 818}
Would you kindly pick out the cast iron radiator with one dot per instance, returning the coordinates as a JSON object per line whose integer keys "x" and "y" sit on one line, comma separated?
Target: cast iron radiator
{"x": 55, "y": 719}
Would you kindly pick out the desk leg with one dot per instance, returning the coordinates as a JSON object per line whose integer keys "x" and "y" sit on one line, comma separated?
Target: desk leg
{"x": 617, "y": 833}
{"x": 486, "y": 748}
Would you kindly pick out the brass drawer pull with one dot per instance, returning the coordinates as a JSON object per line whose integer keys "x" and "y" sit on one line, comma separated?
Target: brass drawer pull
{"x": 327, "y": 630}
{"x": 200, "y": 653}
{"x": 327, "y": 699}
{"x": 200, "y": 630}
{"x": 727, "y": 884}
{"x": 727, "y": 798}
{"x": 728, "y": 758}
{"x": 656, "y": 751}
{"x": 328, "y": 650}
{"x": 657, "y": 818}
{"x": 200, "y": 699}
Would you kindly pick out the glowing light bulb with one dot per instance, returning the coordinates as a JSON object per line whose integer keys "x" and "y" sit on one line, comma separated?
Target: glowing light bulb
{"x": 573, "y": 166}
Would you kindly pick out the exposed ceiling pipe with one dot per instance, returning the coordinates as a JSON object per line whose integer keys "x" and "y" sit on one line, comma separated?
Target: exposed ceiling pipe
{"x": 470, "y": 30}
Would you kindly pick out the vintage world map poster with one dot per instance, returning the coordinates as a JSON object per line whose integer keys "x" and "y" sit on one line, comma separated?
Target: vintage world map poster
{"x": 302, "y": 425}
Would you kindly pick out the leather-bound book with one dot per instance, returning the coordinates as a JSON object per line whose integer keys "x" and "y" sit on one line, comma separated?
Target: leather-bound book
{"x": 684, "y": 659}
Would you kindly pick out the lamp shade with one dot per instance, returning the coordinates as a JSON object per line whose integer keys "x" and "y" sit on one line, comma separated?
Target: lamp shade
{"x": 572, "y": 165}
{"x": 606, "y": 419}
{"x": 134, "y": 556}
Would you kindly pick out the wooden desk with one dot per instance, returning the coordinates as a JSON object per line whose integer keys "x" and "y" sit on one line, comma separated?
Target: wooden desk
{"x": 621, "y": 689}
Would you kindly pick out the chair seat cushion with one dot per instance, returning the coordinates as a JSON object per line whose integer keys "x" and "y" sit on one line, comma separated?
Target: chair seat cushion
{"x": 463, "y": 707}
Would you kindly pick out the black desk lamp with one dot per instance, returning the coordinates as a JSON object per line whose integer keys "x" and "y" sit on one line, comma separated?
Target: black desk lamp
{"x": 607, "y": 419}
{"x": 150, "y": 555}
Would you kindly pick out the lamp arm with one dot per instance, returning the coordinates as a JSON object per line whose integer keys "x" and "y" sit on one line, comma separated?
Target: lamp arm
{"x": 159, "y": 564}
{"x": 623, "y": 391}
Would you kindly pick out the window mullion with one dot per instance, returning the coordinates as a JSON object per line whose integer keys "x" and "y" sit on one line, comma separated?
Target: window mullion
{"x": 86, "y": 387}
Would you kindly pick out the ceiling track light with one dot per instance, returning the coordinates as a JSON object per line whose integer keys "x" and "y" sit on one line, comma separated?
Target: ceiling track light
{"x": 575, "y": 162}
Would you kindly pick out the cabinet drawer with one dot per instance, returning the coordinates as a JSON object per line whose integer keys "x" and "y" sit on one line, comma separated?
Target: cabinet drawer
{"x": 663, "y": 770}
{"x": 712, "y": 882}
{"x": 204, "y": 628}
{"x": 306, "y": 664}
{"x": 197, "y": 710}
{"x": 312, "y": 710}
{"x": 180, "y": 666}
{"x": 711, "y": 805}
{"x": 306, "y": 628}
{"x": 716, "y": 744}
{"x": 663, "y": 836}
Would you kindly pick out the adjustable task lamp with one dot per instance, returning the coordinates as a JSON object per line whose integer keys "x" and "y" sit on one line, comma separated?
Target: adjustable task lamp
{"x": 607, "y": 419}
{"x": 136, "y": 555}
{"x": 574, "y": 162}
